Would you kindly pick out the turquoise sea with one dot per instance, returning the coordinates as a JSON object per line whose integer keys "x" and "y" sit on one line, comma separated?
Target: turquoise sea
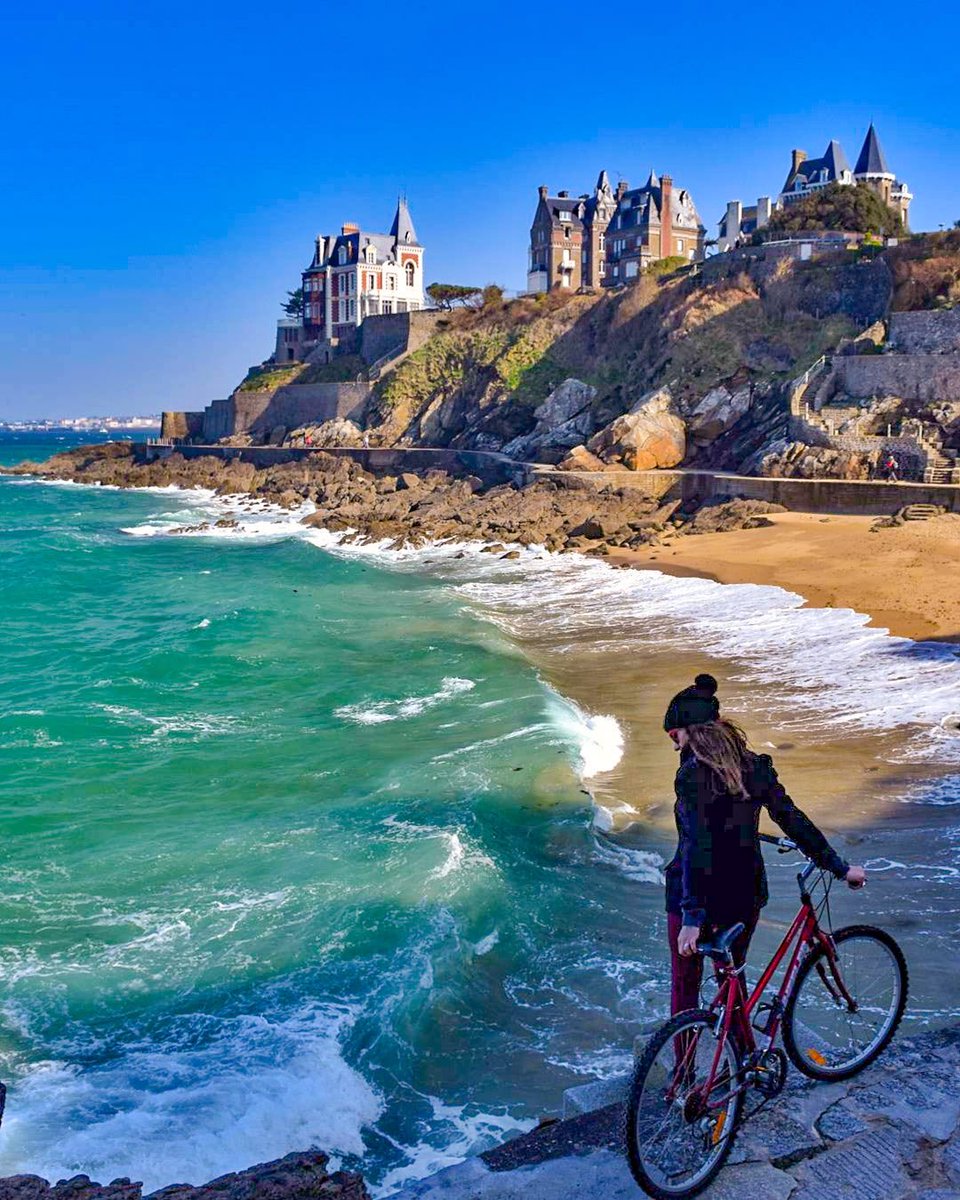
{"x": 298, "y": 841}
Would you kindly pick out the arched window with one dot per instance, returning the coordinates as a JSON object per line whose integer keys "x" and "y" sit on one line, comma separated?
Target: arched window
{"x": 343, "y": 255}
{"x": 410, "y": 271}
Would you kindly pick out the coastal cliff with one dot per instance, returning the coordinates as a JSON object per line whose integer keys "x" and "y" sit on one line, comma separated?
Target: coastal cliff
{"x": 696, "y": 366}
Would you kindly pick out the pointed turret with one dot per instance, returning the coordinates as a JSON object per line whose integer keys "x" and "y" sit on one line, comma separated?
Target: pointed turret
{"x": 402, "y": 229}
{"x": 652, "y": 181}
{"x": 603, "y": 184}
{"x": 835, "y": 161}
{"x": 871, "y": 160}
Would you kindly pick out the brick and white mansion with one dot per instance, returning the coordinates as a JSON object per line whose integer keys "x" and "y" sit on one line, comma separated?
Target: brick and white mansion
{"x": 354, "y": 275}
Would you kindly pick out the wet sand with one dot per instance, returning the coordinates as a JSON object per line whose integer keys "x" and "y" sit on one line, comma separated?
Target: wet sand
{"x": 896, "y": 816}
{"x": 905, "y": 577}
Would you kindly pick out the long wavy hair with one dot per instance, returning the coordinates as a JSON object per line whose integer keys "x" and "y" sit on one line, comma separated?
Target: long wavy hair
{"x": 723, "y": 747}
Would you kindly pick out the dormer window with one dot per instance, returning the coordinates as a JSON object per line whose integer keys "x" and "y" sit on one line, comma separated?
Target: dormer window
{"x": 564, "y": 216}
{"x": 343, "y": 255}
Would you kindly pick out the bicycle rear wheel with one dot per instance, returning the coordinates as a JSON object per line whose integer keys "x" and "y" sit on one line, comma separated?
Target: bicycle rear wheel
{"x": 826, "y": 1038}
{"x": 678, "y": 1135}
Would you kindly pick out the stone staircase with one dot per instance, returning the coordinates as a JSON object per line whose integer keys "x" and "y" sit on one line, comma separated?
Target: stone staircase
{"x": 939, "y": 468}
{"x": 920, "y": 512}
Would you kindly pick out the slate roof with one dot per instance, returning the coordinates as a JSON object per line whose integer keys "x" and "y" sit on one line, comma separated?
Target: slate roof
{"x": 871, "y": 160}
{"x": 834, "y": 161}
{"x": 385, "y": 244}
{"x": 566, "y": 204}
{"x": 402, "y": 229}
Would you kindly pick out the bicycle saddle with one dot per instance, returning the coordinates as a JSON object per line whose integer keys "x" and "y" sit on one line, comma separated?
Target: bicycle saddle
{"x": 719, "y": 947}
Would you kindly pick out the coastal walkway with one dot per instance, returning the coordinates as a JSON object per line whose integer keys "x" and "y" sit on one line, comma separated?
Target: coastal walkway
{"x": 864, "y": 497}
{"x": 891, "y": 1133}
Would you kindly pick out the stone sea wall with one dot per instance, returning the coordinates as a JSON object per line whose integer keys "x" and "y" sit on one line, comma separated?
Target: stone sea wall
{"x": 289, "y": 406}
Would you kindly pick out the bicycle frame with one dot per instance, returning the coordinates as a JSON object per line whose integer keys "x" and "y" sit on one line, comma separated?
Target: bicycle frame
{"x": 734, "y": 1008}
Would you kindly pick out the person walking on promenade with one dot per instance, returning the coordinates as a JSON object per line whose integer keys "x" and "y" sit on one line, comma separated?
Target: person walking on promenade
{"x": 717, "y": 878}
{"x": 892, "y": 468}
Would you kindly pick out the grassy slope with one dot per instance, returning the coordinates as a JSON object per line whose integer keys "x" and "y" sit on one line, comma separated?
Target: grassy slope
{"x": 484, "y": 373}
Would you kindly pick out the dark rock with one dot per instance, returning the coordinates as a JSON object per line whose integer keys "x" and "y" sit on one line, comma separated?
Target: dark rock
{"x": 295, "y": 1177}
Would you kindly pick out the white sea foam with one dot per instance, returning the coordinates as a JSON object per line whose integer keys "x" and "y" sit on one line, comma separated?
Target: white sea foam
{"x": 486, "y": 944}
{"x": 456, "y": 1131}
{"x": 460, "y": 855}
{"x": 598, "y": 737}
{"x": 644, "y": 866}
{"x": 375, "y": 712}
{"x": 196, "y": 1109}
{"x": 192, "y": 725}
{"x": 825, "y": 668}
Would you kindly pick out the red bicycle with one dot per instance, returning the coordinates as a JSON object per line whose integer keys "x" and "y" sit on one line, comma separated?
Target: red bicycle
{"x": 839, "y": 1003}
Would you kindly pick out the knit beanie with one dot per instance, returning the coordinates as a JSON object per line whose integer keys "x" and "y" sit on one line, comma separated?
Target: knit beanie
{"x": 694, "y": 705}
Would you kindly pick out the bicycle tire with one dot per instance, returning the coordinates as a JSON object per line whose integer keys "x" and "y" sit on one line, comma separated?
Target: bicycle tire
{"x": 642, "y": 1068}
{"x": 803, "y": 1062}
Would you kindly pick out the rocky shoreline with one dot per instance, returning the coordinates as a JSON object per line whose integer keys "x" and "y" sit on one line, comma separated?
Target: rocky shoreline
{"x": 562, "y": 514}
{"x": 302, "y": 1176}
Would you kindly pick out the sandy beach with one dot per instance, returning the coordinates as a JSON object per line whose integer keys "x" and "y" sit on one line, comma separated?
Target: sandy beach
{"x": 905, "y": 577}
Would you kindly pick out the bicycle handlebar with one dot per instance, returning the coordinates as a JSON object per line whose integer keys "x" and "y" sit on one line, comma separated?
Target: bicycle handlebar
{"x": 783, "y": 844}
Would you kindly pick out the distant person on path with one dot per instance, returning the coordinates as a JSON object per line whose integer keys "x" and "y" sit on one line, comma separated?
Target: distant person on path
{"x": 891, "y": 469}
{"x": 717, "y": 877}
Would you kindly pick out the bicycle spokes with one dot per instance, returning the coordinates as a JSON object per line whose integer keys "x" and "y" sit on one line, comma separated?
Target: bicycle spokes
{"x": 683, "y": 1109}
{"x": 846, "y": 1004}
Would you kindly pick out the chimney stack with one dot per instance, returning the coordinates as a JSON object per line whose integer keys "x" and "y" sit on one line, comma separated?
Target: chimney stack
{"x": 666, "y": 215}
{"x": 734, "y": 221}
{"x": 622, "y": 188}
{"x": 544, "y": 191}
{"x": 349, "y": 228}
{"x": 797, "y": 157}
{"x": 563, "y": 195}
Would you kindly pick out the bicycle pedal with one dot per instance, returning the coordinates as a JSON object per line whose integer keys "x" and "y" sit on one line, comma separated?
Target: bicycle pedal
{"x": 769, "y": 1012}
{"x": 762, "y": 1018}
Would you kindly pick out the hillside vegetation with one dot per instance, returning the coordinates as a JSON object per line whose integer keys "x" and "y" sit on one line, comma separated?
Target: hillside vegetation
{"x": 838, "y": 206}
{"x": 926, "y": 271}
{"x": 478, "y": 380}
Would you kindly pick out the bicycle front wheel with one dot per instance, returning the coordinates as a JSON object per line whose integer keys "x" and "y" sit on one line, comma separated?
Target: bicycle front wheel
{"x": 826, "y": 1036}
{"x": 681, "y": 1113}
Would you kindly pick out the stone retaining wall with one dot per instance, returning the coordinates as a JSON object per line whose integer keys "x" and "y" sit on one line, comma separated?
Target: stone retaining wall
{"x": 403, "y": 332}
{"x": 867, "y": 498}
{"x": 926, "y": 377}
{"x": 289, "y": 406}
{"x": 936, "y": 332}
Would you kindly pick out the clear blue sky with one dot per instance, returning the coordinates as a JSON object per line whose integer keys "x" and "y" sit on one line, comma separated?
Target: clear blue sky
{"x": 165, "y": 167}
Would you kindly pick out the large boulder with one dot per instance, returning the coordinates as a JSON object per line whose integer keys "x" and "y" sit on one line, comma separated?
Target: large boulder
{"x": 563, "y": 403}
{"x": 338, "y": 432}
{"x": 650, "y": 435}
{"x": 580, "y": 459}
{"x": 563, "y": 420}
{"x": 718, "y": 411}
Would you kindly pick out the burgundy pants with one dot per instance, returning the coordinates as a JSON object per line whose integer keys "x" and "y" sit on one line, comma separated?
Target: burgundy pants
{"x": 686, "y": 973}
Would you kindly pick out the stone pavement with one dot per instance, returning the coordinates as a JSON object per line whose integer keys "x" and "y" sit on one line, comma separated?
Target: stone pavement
{"x": 891, "y": 1133}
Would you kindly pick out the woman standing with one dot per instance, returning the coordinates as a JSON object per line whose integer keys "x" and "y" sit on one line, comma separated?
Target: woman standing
{"x": 717, "y": 877}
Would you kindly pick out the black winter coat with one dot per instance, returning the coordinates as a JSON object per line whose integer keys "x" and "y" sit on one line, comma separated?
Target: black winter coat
{"x": 717, "y": 876}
